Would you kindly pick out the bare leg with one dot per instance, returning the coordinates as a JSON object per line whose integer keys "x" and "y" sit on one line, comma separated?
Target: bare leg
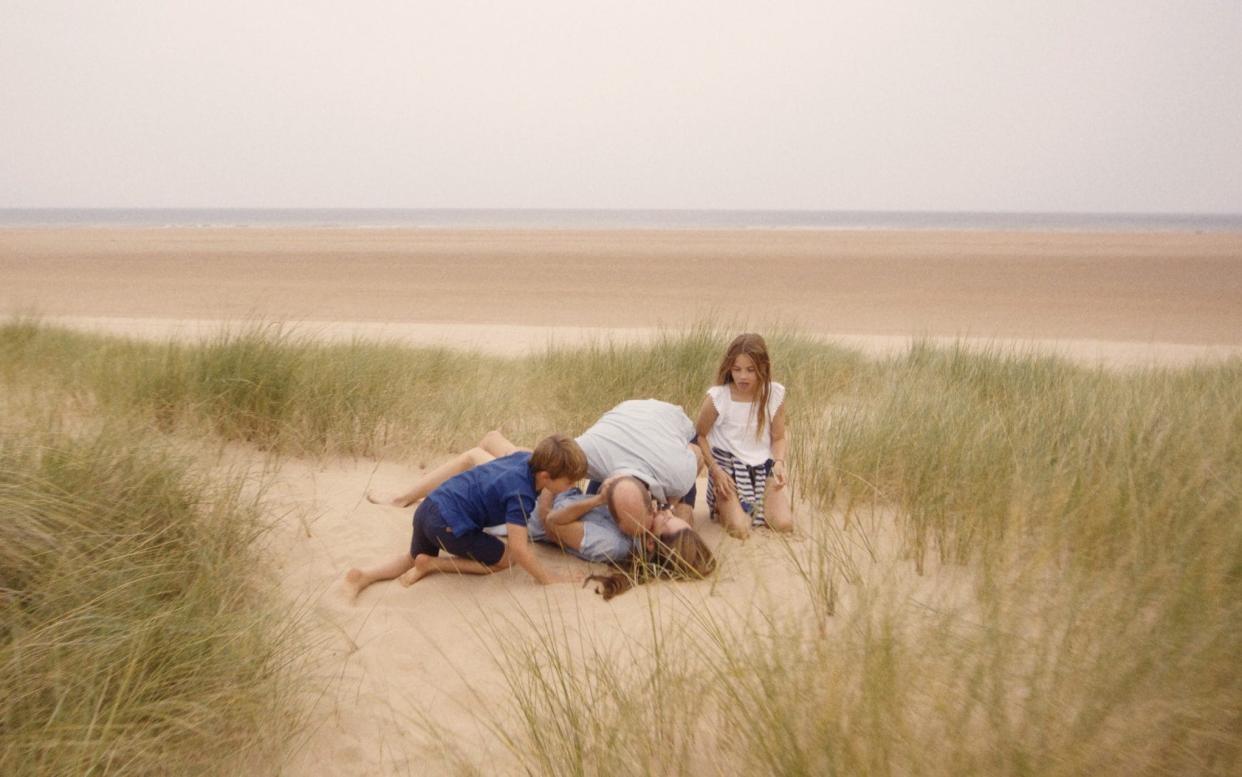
{"x": 498, "y": 445}
{"x": 429, "y": 481}
{"x": 425, "y": 565}
{"x": 736, "y": 520}
{"x": 358, "y": 579}
{"x": 776, "y": 509}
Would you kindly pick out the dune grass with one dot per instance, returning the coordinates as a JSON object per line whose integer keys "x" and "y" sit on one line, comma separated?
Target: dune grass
{"x": 133, "y": 638}
{"x": 1078, "y": 532}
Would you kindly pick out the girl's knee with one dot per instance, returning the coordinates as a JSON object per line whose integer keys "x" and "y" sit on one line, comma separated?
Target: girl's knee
{"x": 783, "y": 524}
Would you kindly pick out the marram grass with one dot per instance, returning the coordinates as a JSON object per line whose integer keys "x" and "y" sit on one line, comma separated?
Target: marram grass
{"x": 133, "y": 639}
{"x": 1091, "y": 518}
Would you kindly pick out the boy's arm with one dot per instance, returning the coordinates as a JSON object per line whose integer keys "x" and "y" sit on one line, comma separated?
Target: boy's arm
{"x": 524, "y": 556}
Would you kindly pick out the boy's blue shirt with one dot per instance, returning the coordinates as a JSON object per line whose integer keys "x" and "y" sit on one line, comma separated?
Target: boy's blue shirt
{"x": 500, "y": 491}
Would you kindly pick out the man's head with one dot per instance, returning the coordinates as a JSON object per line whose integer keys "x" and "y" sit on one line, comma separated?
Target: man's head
{"x": 629, "y": 501}
{"x": 557, "y": 463}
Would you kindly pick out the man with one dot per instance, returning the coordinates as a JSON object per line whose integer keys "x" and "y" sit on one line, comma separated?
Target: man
{"x": 646, "y": 448}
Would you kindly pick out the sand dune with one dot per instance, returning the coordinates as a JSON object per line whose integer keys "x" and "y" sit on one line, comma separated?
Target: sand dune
{"x": 400, "y": 658}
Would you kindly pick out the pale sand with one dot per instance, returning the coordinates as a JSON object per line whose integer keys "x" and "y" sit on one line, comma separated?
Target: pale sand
{"x": 404, "y": 667}
{"x": 379, "y": 669}
{"x": 1165, "y": 296}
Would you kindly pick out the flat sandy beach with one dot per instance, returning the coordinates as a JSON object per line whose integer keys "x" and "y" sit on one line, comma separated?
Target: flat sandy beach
{"x": 1172, "y": 295}
{"x": 400, "y": 660}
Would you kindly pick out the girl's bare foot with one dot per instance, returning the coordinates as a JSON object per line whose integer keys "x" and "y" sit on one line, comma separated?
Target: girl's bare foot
{"x": 422, "y": 567}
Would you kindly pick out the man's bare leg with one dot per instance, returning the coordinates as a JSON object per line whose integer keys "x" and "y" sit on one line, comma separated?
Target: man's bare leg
{"x": 358, "y": 579}
{"x": 429, "y": 481}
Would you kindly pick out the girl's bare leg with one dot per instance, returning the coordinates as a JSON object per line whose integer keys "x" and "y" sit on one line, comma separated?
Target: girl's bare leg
{"x": 735, "y": 520}
{"x": 776, "y": 509}
{"x": 729, "y": 512}
{"x": 425, "y": 565}
{"x": 430, "y": 480}
{"x": 358, "y": 579}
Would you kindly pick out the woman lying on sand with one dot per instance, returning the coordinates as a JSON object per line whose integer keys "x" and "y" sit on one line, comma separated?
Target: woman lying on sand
{"x": 646, "y": 544}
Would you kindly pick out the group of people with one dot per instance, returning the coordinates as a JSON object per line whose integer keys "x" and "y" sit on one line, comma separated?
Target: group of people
{"x": 642, "y": 460}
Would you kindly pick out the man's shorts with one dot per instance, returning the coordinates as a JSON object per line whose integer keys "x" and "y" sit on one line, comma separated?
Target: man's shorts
{"x": 432, "y": 534}
{"x": 594, "y": 486}
{"x": 603, "y": 542}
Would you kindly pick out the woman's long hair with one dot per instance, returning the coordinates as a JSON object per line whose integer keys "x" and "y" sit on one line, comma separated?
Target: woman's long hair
{"x": 752, "y": 345}
{"x": 683, "y": 556}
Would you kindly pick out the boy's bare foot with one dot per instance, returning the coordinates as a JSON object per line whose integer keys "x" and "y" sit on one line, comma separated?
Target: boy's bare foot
{"x": 422, "y": 567}
{"x": 353, "y": 585}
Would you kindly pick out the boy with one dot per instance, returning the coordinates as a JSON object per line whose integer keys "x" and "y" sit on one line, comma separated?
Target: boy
{"x": 468, "y": 494}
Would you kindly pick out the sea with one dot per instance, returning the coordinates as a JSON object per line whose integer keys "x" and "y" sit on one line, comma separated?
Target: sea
{"x": 569, "y": 219}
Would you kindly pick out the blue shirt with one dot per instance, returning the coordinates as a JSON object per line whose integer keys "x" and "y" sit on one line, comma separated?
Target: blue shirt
{"x": 500, "y": 491}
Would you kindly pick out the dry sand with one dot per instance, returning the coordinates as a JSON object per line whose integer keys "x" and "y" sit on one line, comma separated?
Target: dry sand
{"x": 1126, "y": 296}
{"x": 381, "y": 669}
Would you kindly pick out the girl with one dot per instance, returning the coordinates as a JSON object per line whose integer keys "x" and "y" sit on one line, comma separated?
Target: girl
{"x": 741, "y": 430}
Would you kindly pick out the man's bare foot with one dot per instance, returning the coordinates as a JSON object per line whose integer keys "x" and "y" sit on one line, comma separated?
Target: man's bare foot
{"x": 422, "y": 567}
{"x": 354, "y": 583}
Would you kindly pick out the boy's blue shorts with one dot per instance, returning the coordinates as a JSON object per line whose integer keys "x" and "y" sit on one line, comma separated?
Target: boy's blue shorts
{"x": 432, "y": 534}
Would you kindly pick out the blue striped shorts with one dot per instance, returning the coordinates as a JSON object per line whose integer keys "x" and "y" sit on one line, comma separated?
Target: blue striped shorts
{"x": 751, "y": 483}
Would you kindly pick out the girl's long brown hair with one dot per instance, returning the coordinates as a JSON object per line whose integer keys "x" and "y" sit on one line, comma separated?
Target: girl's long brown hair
{"x": 752, "y": 345}
{"x": 683, "y": 556}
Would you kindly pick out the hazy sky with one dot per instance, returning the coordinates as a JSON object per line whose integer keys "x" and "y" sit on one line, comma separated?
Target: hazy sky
{"x": 1047, "y": 105}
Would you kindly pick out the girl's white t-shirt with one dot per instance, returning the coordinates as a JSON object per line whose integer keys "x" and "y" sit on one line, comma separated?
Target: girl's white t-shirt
{"x": 734, "y": 430}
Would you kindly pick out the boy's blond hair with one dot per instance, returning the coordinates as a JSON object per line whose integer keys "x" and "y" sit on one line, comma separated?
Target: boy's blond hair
{"x": 559, "y": 456}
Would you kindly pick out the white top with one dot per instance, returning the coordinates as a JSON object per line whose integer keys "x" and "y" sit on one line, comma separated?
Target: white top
{"x": 736, "y": 422}
{"x": 645, "y": 438}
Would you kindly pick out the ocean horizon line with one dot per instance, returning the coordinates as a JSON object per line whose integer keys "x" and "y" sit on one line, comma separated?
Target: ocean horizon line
{"x": 621, "y": 219}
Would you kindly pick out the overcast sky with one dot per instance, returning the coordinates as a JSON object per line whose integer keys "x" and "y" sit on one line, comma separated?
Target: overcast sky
{"x": 1037, "y": 105}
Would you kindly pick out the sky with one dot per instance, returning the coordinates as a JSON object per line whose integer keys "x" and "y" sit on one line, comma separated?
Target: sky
{"x": 1126, "y": 106}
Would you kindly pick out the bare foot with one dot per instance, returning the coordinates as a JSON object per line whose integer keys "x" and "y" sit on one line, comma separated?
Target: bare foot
{"x": 386, "y": 501}
{"x": 354, "y": 583}
{"x": 422, "y": 567}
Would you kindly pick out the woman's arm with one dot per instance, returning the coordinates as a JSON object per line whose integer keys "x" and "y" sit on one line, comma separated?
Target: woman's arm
{"x": 780, "y": 445}
{"x": 576, "y": 509}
